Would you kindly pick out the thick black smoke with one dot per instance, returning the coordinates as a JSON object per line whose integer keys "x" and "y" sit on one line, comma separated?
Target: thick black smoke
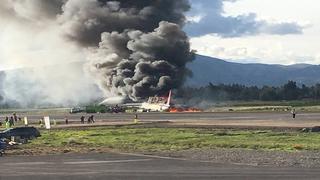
{"x": 136, "y": 48}
{"x": 85, "y": 20}
{"x": 140, "y": 64}
{"x": 142, "y": 50}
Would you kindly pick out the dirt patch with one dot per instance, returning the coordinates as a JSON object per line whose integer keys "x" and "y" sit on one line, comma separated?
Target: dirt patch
{"x": 304, "y": 159}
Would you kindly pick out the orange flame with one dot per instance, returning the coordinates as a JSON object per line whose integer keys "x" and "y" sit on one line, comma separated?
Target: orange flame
{"x": 177, "y": 110}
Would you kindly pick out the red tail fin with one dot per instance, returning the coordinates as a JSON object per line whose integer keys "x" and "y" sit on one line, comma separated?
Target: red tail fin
{"x": 169, "y": 98}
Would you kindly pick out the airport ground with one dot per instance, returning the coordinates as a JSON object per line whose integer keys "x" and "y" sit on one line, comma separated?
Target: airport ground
{"x": 202, "y": 119}
{"x": 248, "y": 145}
{"x": 116, "y": 166}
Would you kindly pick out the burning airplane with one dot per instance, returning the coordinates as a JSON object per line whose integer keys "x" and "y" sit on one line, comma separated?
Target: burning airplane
{"x": 157, "y": 103}
{"x": 154, "y": 104}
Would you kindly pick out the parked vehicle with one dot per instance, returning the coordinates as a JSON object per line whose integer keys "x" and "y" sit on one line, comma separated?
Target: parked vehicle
{"x": 21, "y": 132}
{"x": 77, "y": 110}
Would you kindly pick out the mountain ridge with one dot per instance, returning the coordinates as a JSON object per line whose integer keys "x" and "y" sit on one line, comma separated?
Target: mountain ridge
{"x": 217, "y": 71}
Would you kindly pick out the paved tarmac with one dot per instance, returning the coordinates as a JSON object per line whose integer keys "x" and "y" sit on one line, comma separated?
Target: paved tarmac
{"x": 114, "y": 166}
{"x": 183, "y": 116}
{"x": 277, "y": 119}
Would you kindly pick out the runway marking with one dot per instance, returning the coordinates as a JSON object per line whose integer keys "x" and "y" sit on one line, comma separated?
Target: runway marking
{"x": 153, "y": 156}
{"x": 77, "y": 162}
{"x": 232, "y": 117}
{"x": 106, "y": 162}
{"x": 185, "y": 159}
{"x": 29, "y": 163}
{"x": 19, "y": 174}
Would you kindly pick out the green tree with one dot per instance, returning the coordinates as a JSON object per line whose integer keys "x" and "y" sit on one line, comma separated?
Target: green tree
{"x": 268, "y": 94}
{"x": 290, "y": 91}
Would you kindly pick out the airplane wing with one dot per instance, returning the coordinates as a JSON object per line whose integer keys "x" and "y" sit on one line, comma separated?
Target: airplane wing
{"x": 131, "y": 105}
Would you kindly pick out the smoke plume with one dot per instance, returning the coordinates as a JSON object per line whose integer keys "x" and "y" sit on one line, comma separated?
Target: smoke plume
{"x": 142, "y": 50}
{"x": 41, "y": 68}
{"x": 131, "y": 48}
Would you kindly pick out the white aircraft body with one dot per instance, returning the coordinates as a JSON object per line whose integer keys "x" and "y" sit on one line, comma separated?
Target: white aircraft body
{"x": 154, "y": 104}
{"x": 157, "y": 104}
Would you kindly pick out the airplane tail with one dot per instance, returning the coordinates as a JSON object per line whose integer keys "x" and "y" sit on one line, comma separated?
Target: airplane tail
{"x": 169, "y": 98}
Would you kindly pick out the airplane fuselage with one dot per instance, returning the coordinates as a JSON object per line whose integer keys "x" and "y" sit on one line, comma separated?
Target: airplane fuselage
{"x": 155, "y": 107}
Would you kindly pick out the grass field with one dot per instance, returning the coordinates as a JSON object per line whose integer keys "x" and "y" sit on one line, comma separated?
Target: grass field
{"x": 296, "y": 103}
{"x": 174, "y": 139}
{"x": 267, "y": 106}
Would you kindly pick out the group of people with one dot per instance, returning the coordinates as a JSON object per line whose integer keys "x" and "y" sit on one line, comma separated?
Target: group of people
{"x": 11, "y": 121}
{"x": 90, "y": 119}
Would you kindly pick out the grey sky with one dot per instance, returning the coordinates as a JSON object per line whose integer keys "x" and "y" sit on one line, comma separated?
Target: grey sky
{"x": 272, "y": 31}
{"x": 212, "y": 20}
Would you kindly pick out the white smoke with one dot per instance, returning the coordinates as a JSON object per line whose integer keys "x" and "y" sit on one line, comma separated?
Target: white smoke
{"x": 135, "y": 49}
{"x": 39, "y": 63}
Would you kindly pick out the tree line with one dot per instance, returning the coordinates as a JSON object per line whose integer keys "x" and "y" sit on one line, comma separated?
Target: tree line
{"x": 237, "y": 92}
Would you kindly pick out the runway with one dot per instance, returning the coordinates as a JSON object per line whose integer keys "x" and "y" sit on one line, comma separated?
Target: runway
{"x": 181, "y": 116}
{"x": 113, "y": 166}
{"x": 264, "y": 119}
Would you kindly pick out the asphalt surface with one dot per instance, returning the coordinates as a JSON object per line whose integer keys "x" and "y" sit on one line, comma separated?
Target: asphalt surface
{"x": 277, "y": 119}
{"x": 113, "y": 166}
{"x": 181, "y": 116}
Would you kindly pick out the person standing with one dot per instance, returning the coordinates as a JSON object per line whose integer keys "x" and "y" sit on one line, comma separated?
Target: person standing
{"x": 89, "y": 120}
{"x": 135, "y": 120}
{"x": 11, "y": 121}
{"x": 41, "y": 122}
{"x": 92, "y": 118}
{"x": 66, "y": 120}
{"x": 7, "y": 123}
{"x": 15, "y": 117}
{"x": 82, "y": 119}
{"x": 293, "y": 112}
